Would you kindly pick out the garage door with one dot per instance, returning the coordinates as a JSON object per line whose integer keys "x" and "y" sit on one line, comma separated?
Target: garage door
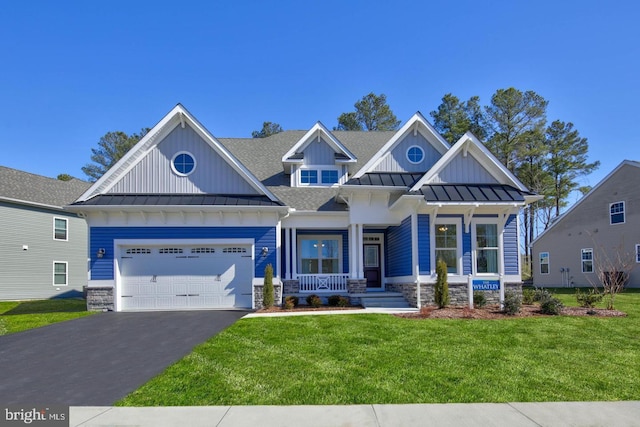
{"x": 173, "y": 277}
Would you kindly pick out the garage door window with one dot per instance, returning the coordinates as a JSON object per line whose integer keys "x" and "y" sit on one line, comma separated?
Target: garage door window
{"x": 170, "y": 250}
{"x": 234, "y": 250}
{"x": 138, "y": 251}
{"x": 203, "y": 251}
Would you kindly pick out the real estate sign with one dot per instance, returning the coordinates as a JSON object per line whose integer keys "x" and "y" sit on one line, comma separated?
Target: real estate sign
{"x": 486, "y": 285}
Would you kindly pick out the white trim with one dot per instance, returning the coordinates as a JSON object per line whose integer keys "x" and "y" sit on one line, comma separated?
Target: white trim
{"x": 176, "y": 171}
{"x": 66, "y": 273}
{"x": 474, "y": 248}
{"x": 582, "y": 260}
{"x": 548, "y": 263}
{"x": 421, "y": 124}
{"x": 487, "y": 160}
{"x": 637, "y": 253}
{"x": 624, "y": 213}
{"x": 308, "y": 137}
{"x": 457, "y": 221}
{"x": 66, "y": 229}
{"x": 421, "y": 152}
{"x": 586, "y": 196}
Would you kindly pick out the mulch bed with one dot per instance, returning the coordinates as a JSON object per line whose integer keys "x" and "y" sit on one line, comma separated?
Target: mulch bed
{"x": 493, "y": 312}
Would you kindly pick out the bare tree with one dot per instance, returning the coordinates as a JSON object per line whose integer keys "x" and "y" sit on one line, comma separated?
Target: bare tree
{"x": 613, "y": 267}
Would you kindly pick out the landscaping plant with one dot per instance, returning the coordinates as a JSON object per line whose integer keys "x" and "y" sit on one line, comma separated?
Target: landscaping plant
{"x": 588, "y": 299}
{"x": 290, "y": 302}
{"x": 268, "y": 297}
{"x": 479, "y": 300}
{"x": 442, "y": 286}
{"x": 512, "y": 303}
{"x": 314, "y": 301}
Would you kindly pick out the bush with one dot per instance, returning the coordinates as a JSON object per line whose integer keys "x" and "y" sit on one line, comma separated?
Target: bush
{"x": 479, "y": 300}
{"x": 267, "y": 291}
{"x": 540, "y": 295}
{"x": 314, "y": 301}
{"x": 290, "y": 302}
{"x": 588, "y": 300}
{"x": 512, "y": 303}
{"x": 551, "y": 306}
{"x": 442, "y": 286}
{"x": 528, "y": 296}
{"x": 334, "y": 300}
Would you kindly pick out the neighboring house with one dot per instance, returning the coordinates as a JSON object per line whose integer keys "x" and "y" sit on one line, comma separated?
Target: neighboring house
{"x": 605, "y": 220}
{"x": 43, "y": 250}
{"x": 187, "y": 220}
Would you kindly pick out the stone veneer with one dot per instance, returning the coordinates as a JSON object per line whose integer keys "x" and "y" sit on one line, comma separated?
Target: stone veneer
{"x": 99, "y": 298}
{"x": 356, "y": 286}
{"x": 458, "y": 295}
{"x": 257, "y": 295}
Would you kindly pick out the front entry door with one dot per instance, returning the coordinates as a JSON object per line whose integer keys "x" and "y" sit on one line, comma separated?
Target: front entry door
{"x": 372, "y": 270}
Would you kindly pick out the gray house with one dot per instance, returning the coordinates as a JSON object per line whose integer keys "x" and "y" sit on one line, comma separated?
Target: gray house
{"x": 604, "y": 223}
{"x": 43, "y": 250}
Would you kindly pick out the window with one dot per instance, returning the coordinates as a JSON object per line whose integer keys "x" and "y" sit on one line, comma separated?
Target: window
{"x": 308, "y": 176}
{"x": 183, "y": 163}
{"x": 447, "y": 246}
{"x": 234, "y": 251}
{"x": 60, "y": 229}
{"x": 59, "y": 273}
{"x": 587, "y": 260}
{"x": 486, "y": 248}
{"x": 638, "y": 253}
{"x": 617, "y": 212}
{"x": 170, "y": 250}
{"x": 415, "y": 154}
{"x": 329, "y": 176}
{"x": 544, "y": 262}
{"x": 320, "y": 255}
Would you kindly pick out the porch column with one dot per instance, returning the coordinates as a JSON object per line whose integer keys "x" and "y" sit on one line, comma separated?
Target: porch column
{"x": 415, "y": 255}
{"x": 294, "y": 253}
{"x": 279, "y": 276}
{"x": 360, "y": 249}
{"x": 353, "y": 254}
{"x": 287, "y": 253}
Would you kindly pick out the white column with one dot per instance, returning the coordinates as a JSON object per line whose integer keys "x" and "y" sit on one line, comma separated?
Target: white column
{"x": 294, "y": 253}
{"x": 360, "y": 249}
{"x": 353, "y": 254}
{"x": 415, "y": 255}
{"x": 287, "y": 254}
{"x": 470, "y": 290}
{"x": 279, "y": 276}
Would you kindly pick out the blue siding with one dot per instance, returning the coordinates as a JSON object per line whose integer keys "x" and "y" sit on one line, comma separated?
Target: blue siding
{"x": 398, "y": 247}
{"x": 511, "y": 252}
{"x": 466, "y": 250}
{"x": 424, "y": 244}
{"x": 103, "y": 237}
{"x": 345, "y": 244}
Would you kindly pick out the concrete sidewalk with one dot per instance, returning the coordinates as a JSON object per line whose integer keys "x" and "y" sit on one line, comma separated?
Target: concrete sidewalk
{"x": 575, "y": 414}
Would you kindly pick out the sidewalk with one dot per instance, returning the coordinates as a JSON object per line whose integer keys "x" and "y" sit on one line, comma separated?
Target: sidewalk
{"x": 575, "y": 414}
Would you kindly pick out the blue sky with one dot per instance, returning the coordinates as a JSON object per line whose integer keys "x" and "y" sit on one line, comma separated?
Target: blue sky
{"x": 72, "y": 71}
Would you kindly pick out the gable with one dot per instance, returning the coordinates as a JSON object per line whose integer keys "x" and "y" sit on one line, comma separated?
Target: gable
{"x": 396, "y": 160}
{"x": 319, "y": 152}
{"x": 153, "y": 172}
{"x": 464, "y": 169}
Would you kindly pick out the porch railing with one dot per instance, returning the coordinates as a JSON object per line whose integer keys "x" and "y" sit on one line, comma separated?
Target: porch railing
{"x": 323, "y": 282}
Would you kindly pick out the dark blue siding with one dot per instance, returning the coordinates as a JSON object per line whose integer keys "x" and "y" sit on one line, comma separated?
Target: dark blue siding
{"x": 345, "y": 244}
{"x": 424, "y": 244}
{"x": 103, "y": 237}
{"x": 466, "y": 250}
{"x": 398, "y": 247}
{"x": 511, "y": 251}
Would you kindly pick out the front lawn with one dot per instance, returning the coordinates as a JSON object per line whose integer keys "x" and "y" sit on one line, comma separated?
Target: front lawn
{"x": 16, "y": 316}
{"x": 363, "y": 359}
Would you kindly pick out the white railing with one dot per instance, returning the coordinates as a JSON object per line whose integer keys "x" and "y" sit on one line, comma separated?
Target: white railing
{"x": 323, "y": 282}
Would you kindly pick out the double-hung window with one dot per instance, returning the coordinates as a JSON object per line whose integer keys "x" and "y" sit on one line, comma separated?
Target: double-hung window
{"x": 60, "y": 228}
{"x": 486, "y": 239}
{"x": 320, "y": 254}
{"x": 616, "y": 211}
{"x": 586, "y": 256}
{"x": 544, "y": 262}
{"x": 446, "y": 244}
{"x": 329, "y": 176}
{"x": 308, "y": 176}
{"x": 60, "y": 274}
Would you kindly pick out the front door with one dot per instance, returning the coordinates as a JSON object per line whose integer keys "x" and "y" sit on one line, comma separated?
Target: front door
{"x": 372, "y": 270}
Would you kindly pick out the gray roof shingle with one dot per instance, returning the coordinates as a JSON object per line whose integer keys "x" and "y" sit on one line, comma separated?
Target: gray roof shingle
{"x": 31, "y": 188}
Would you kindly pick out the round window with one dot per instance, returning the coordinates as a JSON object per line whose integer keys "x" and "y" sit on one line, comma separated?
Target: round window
{"x": 183, "y": 163}
{"x": 415, "y": 154}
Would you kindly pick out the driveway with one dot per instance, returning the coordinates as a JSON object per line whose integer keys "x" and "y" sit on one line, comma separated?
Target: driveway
{"x": 96, "y": 360}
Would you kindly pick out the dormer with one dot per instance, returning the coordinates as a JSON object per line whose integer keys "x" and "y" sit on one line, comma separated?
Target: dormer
{"x": 318, "y": 159}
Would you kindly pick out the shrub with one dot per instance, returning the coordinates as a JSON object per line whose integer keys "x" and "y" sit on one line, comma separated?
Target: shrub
{"x": 314, "y": 301}
{"x": 512, "y": 303}
{"x": 442, "y": 286}
{"x": 551, "y": 306}
{"x": 528, "y": 296}
{"x": 589, "y": 299}
{"x": 540, "y": 295}
{"x": 267, "y": 291}
{"x": 344, "y": 301}
{"x": 290, "y": 302}
{"x": 337, "y": 301}
{"x": 479, "y": 300}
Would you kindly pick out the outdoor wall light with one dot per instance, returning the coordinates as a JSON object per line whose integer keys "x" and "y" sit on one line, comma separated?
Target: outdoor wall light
{"x": 101, "y": 252}
{"x": 265, "y": 251}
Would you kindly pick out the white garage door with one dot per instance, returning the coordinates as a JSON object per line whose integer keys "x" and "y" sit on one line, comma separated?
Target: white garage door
{"x": 175, "y": 277}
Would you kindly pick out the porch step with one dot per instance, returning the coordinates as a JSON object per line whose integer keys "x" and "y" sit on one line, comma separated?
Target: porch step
{"x": 384, "y": 300}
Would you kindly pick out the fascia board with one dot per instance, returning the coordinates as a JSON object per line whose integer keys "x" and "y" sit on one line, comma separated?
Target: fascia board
{"x": 308, "y": 137}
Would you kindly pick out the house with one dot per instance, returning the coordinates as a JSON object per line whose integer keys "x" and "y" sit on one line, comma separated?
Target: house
{"x": 603, "y": 224}
{"x": 43, "y": 250}
{"x": 188, "y": 220}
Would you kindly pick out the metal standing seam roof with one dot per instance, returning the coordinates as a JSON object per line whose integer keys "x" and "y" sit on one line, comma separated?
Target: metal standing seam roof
{"x": 471, "y": 193}
{"x": 177, "y": 199}
{"x": 387, "y": 179}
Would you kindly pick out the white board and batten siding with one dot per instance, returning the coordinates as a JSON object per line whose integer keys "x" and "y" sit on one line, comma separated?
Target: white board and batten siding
{"x": 464, "y": 169}
{"x": 396, "y": 160}
{"x": 319, "y": 152}
{"x": 153, "y": 174}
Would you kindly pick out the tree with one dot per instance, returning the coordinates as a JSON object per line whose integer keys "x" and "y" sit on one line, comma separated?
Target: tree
{"x": 613, "y": 267}
{"x": 442, "y": 285}
{"x": 64, "y": 177}
{"x": 111, "y": 147}
{"x": 268, "y": 297}
{"x": 372, "y": 113}
{"x": 268, "y": 129}
{"x": 567, "y": 161}
{"x": 454, "y": 118}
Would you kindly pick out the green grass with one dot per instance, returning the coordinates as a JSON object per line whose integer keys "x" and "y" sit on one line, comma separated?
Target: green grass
{"x": 362, "y": 359}
{"x": 16, "y": 316}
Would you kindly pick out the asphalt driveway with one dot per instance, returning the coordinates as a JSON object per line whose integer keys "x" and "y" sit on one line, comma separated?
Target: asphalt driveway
{"x": 96, "y": 360}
